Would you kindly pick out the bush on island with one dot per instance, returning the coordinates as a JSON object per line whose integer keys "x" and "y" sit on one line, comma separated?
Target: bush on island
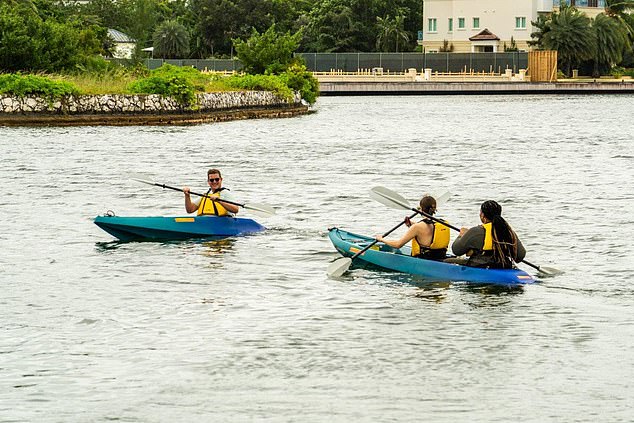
{"x": 35, "y": 85}
{"x": 181, "y": 83}
{"x": 298, "y": 78}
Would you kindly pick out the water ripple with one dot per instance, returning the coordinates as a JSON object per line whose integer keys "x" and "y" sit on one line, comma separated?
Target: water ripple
{"x": 96, "y": 329}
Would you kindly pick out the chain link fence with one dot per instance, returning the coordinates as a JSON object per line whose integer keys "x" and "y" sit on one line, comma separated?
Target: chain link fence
{"x": 389, "y": 62}
{"x": 400, "y": 62}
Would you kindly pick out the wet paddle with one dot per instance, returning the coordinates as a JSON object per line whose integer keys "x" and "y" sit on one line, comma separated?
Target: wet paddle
{"x": 259, "y": 209}
{"x": 341, "y": 266}
{"x": 394, "y": 200}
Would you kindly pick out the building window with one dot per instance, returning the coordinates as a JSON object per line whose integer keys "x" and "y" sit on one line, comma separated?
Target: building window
{"x": 450, "y": 24}
{"x": 476, "y": 23}
{"x": 520, "y": 22}
{"x": 460, "y": 23}
{"x": 431, "y": 25}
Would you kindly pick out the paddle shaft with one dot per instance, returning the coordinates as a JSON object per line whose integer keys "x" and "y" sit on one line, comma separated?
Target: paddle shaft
{"x": 367, "y": 247}
{"x": 429, "y": 216}
{"x": 200, "y": 195}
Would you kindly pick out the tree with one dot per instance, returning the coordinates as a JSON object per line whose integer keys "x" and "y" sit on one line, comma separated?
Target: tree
{"x": 352, "y": 25}
{"x": 332, "y": 28}
{"x": 269, "y": 52}
{"x": 569, "y": 32}
{"x": 611, "y": 41}
{"x": 32, "y": 38}
{"x": 143, "y": 16}
{"x": 171, "y": 40}
{"x": 390, "y": 29}
{"x": 543, "y": 26}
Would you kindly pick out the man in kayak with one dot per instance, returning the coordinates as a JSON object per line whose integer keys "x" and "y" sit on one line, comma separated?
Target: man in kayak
{"x": 207, "y": 206}
{"x": 429, "y": 239}
{"x": 493, "y": 244}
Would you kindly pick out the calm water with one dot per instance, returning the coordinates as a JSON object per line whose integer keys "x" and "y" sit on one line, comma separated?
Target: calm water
{"x": 251, "y": 329}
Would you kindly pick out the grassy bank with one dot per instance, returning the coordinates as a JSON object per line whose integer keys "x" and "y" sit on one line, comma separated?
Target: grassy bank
{"x": 182, "y": 83}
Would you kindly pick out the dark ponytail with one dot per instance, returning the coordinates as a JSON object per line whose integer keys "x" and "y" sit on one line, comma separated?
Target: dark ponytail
{"x": 504, "y": 238}
{"x": 428, "y": 204}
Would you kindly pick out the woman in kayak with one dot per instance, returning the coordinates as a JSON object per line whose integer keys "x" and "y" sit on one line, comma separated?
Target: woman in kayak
{"x": 429, "y": 239}
{"x": 493, "y": 244}
{"x": 206, "y": 205}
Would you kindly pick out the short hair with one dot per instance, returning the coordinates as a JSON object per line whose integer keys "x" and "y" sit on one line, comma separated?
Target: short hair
{"x": 212, "y": 171}
{"x": 428, "y": 204}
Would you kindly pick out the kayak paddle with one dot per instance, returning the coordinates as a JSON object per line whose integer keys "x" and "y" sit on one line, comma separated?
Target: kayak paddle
{"x": 394, "y": 200}
{"x": 341, "y": 266}
{"x": 259, "y": 209}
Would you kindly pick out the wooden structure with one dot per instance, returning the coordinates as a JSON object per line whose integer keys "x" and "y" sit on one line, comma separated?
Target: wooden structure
{"x": 542, "y": 65}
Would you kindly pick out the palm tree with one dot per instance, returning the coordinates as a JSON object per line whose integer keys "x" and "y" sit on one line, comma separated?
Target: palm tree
{"x": 618, "y": 7}
{"x": 620, "y": 10}
{"x": 571, "y": 35}
{"x": 611, "y": 41}
{"x": 391, "y": 29}
{"x": 543, "y": 26}
{"x": 171, "y": 40}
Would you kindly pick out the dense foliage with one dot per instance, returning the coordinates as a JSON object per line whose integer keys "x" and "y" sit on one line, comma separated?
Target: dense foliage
{"x": 268, "y": 52}
{"x": 211, "y": 25}
{"x": 171, "y": 40}
{"x": 23, "y": 85}
{"x": 603, "y": 41}
{"x": 182, "y": 83}
{"x": 37, "y": 35}
{"x": 272, "y": 54}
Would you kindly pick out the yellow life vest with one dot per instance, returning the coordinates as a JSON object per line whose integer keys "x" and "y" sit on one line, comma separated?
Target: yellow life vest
{"x": 439, "y": 241}
{"x": 488, "y": 237}
{"x": 207, "y": 206}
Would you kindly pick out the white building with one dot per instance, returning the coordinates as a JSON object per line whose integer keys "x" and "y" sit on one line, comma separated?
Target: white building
{"x": 123, "y": 44}
{"x": 487, "y": 25}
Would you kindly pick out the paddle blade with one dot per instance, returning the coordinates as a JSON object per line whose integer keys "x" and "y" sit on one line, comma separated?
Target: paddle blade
{"x": 339, "y": 267}
{"x": 260, "y": 209}
{"x": 389, "y": 198}
{"x": 549, "y": 271}
{"x": 442, "y": 198}
{"x": 143, "y": 181}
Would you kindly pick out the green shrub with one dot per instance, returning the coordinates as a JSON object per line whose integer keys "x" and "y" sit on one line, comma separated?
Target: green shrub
{"x": 261, "y": 82}
{"x": 629, "y": 72}
{"x": 299, "y": 79}
{"x": 182, "y": 83}
{"x": 23, "y": 85}
{"x": 617, "y": 72}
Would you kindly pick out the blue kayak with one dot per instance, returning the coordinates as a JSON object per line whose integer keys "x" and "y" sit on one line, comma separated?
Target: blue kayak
{"x": 174, "y": 228}
{"x": 400, "y": 260}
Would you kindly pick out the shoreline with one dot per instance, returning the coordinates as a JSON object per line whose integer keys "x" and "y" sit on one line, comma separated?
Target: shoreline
{"x": 154, "y": 119}
{"x": 148, "y": 109}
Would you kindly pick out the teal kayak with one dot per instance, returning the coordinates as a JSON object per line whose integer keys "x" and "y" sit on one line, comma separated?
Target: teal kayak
{"x": 175, "y": 228}
{"x": 400, "y": 260}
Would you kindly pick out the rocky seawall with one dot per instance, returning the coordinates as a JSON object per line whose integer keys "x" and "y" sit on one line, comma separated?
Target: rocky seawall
{"x": 148, "y": 109}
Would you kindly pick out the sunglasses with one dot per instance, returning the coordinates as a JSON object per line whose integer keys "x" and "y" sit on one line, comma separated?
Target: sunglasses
{"x": 214, "y": 179}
